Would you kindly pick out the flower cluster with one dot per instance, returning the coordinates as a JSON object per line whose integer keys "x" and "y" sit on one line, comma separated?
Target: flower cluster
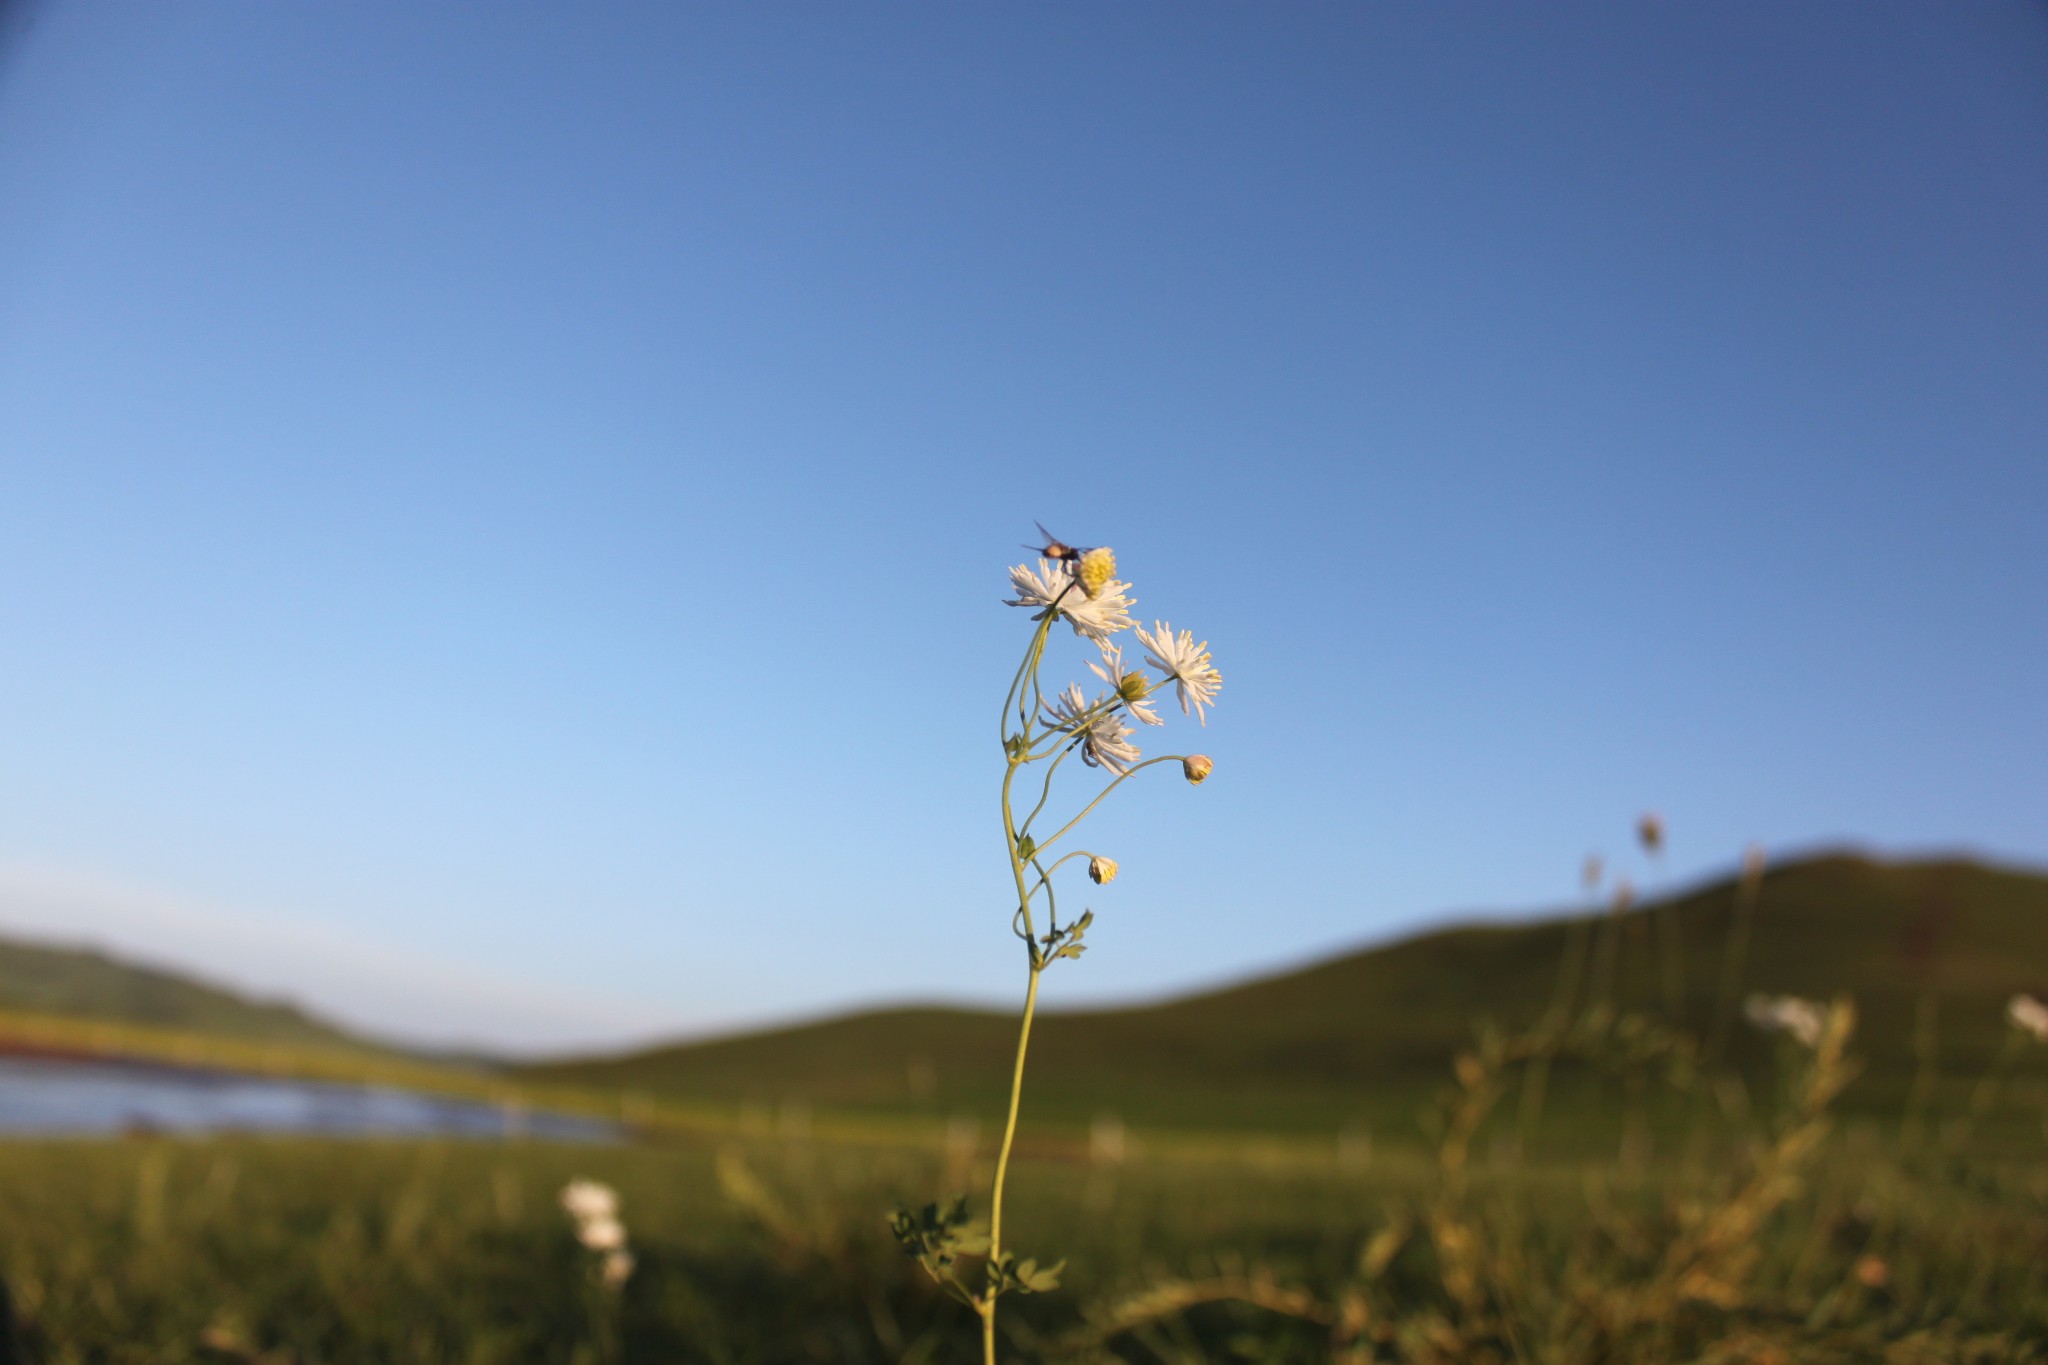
{"x": 1080, "y": 587}
{"x": 593, "y": 1209}
{"x": 1803, "y": 1019}
{"x": 2029, "y": 1016}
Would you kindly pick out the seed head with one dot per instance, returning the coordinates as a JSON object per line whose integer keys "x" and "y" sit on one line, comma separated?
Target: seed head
{"x": 1650, "y": 829}
{"x": 1101, "y": 870}
{"x": 1096, "y": 568}
{"x": 1197, "y": 767}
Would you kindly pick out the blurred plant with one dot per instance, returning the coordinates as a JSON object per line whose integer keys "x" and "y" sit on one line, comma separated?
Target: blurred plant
{"x": 593, "y": 1209}
{"x": 1080, "y": 587}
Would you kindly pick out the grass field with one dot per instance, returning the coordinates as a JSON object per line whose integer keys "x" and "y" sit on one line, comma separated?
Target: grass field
{"x": 1565, "y": 1177}
{"x": 1765, "y": 1232}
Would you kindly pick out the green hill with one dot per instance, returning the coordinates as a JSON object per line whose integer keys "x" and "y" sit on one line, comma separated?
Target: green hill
{"x": 1370, "y": 1034}
{"x": 83, "y": 983}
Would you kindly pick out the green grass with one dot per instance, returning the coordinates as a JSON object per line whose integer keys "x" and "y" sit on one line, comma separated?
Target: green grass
{"x": 327, "y": 1252}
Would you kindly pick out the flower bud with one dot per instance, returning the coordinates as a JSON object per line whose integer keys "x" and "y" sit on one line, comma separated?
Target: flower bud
{"x": 1197, "y": 767}
{"x": 1101, "y": 870}
{"x": 1097, "y": 567}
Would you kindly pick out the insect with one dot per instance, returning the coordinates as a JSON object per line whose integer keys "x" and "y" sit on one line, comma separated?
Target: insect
{"x": 1055, "y": 549}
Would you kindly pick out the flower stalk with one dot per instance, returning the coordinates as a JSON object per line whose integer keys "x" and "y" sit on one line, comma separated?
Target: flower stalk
{"x": 1078, "y": 587}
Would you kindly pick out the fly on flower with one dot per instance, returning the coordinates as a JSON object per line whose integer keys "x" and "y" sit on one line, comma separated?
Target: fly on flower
{"x": 1055, "y": 549}
{"x": 1093, "y": 567}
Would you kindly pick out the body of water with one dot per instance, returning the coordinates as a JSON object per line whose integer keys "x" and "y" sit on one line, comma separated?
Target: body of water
{"x": 40, "y": 1098}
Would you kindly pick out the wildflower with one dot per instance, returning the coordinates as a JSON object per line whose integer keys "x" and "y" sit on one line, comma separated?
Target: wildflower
{"x": 1105, "y": 739}
{"x": 1101, "y": 870}
{"x": 1096, "y": 568}
{"x": 1803, "y": 1019}
{"x": 1650, "y": 829}
{"x": 602, "y": 1234}
{"x": 1196, "y": 768}
{"x": 1094, "y": 616}
{"x": 1187, "y": 663}
{"x": 2028, "y": 1015}
{"x": 1134, "y": 687}
{"x": 594, "y": 1209}
{"x": 588, "y": 1201}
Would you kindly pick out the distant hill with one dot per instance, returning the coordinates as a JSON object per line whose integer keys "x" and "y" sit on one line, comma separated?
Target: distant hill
{"x": 1372, "y": 1031}
{"x": 83, "y": 983}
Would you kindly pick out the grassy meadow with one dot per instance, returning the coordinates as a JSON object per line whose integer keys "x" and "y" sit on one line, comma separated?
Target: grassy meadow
{"x": 1531, "y": 1143}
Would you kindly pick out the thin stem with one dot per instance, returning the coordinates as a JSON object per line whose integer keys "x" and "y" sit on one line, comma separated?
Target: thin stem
{"x": 995, "y": 1217}
{"x": 1737, "y": 954}
{"x": 1121, "y": 778}
{"x": 1045, "y": 872}
{"x": 1045, "y": 793}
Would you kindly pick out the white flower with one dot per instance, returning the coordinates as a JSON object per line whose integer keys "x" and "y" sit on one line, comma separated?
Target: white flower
{"x": 1093, "y": 618}
{"x": 1134, "y": 687}
{"x": 1803, "y": 1019}
{"x": 1105, "y": 739}
{"x": 2029, "y": 1016}
{"x": 590, "y": 1200}
{"x": 602, "y": 1234}
{"x": 1187, "y": 663}
{"x": 616, "y": 1268}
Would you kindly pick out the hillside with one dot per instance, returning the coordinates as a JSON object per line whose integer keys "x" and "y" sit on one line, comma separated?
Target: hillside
{"x": 83, "y": 983}
{"x": 1371, "y": 1032}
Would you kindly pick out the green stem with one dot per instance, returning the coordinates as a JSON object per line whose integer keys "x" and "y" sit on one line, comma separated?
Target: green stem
{"x": 1122, "y": 777}
{"x": 995, "y": 1217}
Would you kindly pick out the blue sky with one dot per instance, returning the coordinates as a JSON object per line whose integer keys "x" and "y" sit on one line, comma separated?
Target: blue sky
{"x": 506, "y": 507}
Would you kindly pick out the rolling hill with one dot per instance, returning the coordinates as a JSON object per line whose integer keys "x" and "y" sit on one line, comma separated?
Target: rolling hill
{"x": 86, "y": 984}
{"x": 1372, "y": 1032}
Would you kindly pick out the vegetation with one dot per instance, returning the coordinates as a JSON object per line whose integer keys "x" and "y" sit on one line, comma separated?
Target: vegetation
{"x": 84, "y": 984}
{"x": 1611, "y": 1179}
{"x": 1367, "y": 1037}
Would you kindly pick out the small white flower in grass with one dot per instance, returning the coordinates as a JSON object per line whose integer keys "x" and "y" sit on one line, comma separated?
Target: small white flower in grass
{"x": 1105, "y": 739}
{"x": 1134, "y": 687}
{"x": 589, "y": 1200}
{"x": 1094, "y": 616}
{"x": 602, "y": 1234}
{"x": 2028, "y": 1015}
{"x": 616, "y": 1268}
{"x": 1803, "y": 1019}
{"x": 1186, "y": 663}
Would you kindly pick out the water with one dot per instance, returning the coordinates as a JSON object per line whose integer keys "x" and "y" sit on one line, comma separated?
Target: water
{"x": 60, "y": 1098}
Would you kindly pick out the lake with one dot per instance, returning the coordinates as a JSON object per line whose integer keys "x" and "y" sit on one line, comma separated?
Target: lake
{"x": 52, "y": 1098}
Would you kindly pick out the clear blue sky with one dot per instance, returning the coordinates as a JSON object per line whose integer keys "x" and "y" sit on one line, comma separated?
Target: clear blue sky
{"x": 505, "y": 506}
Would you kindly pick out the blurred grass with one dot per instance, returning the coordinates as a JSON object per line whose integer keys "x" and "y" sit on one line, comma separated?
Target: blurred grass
{"x": 418, "y": 1252}
{"x": 1844, "y": 1203}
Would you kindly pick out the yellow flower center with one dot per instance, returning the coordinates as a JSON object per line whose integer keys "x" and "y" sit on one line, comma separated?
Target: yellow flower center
{"x": 1097, "y": 567}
